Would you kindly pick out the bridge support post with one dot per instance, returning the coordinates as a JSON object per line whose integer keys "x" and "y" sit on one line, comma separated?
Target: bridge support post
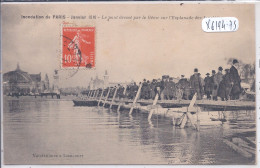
{"x": 152, "y": 109}
{"x": 94, "y": 95}
{"x": 136, "y": 97}
{"x": 112, "y": 101}
{"x": 100, "y": 96}
{"x": 121, "y": 102}
{"x": 89, "y": 94}
{"x": 106, "y": 97}
{"x": 187, "y": 116}
{"x": 97, "y": 94}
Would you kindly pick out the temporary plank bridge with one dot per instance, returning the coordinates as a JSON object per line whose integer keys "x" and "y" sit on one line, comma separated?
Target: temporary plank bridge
{"x": 184, "y": 113}
{"x": 185, "y": 108}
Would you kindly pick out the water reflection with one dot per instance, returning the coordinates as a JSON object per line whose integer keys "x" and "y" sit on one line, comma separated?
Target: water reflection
{"x": 104, "y": 136}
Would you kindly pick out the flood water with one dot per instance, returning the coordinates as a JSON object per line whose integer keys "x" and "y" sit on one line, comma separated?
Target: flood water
{"x": 49, "y": 131}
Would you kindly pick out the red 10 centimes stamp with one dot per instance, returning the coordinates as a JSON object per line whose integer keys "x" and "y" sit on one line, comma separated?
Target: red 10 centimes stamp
{"x": 78, "y": 47}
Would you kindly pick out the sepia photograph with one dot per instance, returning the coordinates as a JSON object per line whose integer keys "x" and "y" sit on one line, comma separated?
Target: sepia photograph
{"x": 128, "y": 84}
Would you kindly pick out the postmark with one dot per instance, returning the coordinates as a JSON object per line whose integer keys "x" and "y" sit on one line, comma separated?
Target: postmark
{"x": 78, "y": 47}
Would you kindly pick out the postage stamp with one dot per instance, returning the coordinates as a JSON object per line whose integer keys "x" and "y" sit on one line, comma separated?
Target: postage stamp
{"x": 78, "y": 47}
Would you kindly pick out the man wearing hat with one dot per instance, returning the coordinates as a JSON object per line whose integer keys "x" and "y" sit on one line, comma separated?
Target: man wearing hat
{"x": 208, "y": 86}
{"x": 144, "y": 90}
{"x": 235, "y": 81}
{"x": 162, "y": 87}
{"x": 182, "y": 88}
{"x": 166, "y": 91}
{"x": 196, "y": 85}
{"x": 225, "y": 86}
{"x": 158, "y": 88}
{"x": 217, "y": 79}
{"x": 172, "y": 88}
{"x": 153, "y": 88}
{"x": 133, "y": 90}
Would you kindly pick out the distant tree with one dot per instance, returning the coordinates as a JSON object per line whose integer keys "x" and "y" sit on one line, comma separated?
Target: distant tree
{"x": 252, "y": 70}
{"x": 246, "y": 70}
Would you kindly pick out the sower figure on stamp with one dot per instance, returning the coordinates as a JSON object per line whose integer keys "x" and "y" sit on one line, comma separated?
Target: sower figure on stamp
{"x": 208, "y": 86}
{"x": 235, "y": 81}
{"x": 195, "y": 84}
{"x": 75, "y": 45}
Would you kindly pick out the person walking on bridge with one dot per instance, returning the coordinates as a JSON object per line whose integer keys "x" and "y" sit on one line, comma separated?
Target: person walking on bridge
{"x": 208, "y": 86}
{"x": 195, "y": 84}
{"x": 235, "y": 80}
{"x": 183, "y": 89}
{"x": 217, "y": 79}
{"x": 225, "y": 86}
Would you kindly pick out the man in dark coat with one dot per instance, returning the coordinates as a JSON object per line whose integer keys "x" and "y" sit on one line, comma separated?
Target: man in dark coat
{"x": 196, "y": 85}
{"x": 183, "y": 86}
{"x": 153, "y": 89}
{"x": 120, "y": 92}
{"x": 217, "y": 79}
{"x": 166, "y": 90}
{"x": 148, "y": 90}
{"x": 225, "y": 86}
{"x": 172, "y": 88}
{"x": 202, "y": 85}
{"x": 208, "y": 86}
{"x": 213, "y": 83}
{"x": 133, "y": 90}
{"x": 158, "y": 88}
{"x": 144, "y": 90}
{"x": 162, "y": 87}
{"x": 235, "y": 81}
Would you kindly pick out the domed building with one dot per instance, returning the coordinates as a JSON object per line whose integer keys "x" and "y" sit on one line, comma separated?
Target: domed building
{"x": 20, "y": 82}
{"x": 99, "y": 83}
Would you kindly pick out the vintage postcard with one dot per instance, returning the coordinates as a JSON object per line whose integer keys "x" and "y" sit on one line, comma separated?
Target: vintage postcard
{"x": 129, "y": 83}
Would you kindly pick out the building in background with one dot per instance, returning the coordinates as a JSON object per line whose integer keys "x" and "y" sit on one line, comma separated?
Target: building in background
{"x": 106, "y": 79}
{"x": 46, "y": 84}
{"x": 96, "y": 83}
{"x": 22, "y": 83}
{"x": 56, "y": 82}
{"x": 99, "y": 83}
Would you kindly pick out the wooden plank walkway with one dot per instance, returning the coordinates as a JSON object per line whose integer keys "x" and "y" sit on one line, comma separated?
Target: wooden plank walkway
{"x": 208, "y": 105}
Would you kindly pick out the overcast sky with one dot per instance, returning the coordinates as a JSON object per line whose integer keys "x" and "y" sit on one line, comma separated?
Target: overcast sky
{"x": 129, "y": 50}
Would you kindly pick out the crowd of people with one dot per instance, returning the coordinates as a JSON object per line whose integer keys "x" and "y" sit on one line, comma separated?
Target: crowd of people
{"x": 226, "y": 86}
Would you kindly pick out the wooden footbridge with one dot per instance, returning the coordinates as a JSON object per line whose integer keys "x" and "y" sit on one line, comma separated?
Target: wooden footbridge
{"x": 183, "y": 112}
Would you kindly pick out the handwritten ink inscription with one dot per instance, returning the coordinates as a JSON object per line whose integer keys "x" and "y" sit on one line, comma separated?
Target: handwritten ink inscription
{"x": 220, "y": 24}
